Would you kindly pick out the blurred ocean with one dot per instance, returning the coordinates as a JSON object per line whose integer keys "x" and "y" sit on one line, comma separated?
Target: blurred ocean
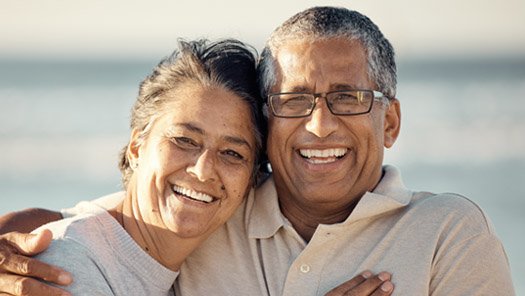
{"x": 63, "y": 123}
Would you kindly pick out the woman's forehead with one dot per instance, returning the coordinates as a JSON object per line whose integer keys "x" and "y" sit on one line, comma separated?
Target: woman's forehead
{"x": 214, "y": 110}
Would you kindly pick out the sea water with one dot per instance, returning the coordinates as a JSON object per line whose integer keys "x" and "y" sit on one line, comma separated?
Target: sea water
{"x": 63, "y": 123}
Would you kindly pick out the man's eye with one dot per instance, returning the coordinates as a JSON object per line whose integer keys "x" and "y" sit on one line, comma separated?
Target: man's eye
{"x": 344, "y": 98}
{"x": 295, "y": 100}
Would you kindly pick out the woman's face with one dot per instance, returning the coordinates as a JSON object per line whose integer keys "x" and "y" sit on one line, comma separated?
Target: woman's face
{"x": 195, "y": 165}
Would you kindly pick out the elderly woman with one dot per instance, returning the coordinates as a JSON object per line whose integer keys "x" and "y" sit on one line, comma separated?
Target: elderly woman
{"x": 191, "y": 159}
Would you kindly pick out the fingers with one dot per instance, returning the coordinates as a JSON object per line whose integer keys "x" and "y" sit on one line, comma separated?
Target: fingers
{"x": 29, "y": 244}
{"x": 26, "y": 266}
{"x": 348, "y": 285}
{"x": 12, "y": 263}
{"x": 365, "y": 284}
{"x": 386, "y": 289}
{"x": 16, "y": 285}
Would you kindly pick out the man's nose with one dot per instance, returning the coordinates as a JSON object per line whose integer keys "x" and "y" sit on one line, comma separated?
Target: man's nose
{"x": 322, "y": 122}
{"x": 204, "y": 168}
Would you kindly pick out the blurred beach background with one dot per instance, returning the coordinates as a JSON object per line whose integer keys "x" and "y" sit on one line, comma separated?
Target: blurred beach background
{"x": 69, "y": 73}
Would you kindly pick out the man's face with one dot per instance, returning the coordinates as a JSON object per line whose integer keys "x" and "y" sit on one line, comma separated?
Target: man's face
{"x": 323, "y": 159}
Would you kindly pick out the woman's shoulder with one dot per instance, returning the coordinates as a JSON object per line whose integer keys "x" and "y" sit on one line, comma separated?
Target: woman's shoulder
{"x": 83, "y": 235}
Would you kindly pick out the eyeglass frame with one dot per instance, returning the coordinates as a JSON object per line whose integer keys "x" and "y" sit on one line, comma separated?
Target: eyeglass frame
{"x": 377, "y": 96}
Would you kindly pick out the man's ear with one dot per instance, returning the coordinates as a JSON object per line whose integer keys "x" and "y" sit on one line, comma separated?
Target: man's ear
{"x": 134, "y": 148}
{"x": 392, "y": 123}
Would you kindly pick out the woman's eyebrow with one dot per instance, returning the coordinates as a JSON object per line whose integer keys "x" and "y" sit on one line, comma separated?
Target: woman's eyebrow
{"x": 237, "y": 141}
{"x": 188, "y": 126}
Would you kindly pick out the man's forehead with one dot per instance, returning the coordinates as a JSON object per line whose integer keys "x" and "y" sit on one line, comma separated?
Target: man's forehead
{"x": 333, "y": 62}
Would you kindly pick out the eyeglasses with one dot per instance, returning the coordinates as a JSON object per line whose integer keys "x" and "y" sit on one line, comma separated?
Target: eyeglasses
{"x": 341, "y": 102}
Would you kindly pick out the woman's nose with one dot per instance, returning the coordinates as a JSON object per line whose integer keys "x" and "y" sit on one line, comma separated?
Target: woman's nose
{"x": 204, "y": 167}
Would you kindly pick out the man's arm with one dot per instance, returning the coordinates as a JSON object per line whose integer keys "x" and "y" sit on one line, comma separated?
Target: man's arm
{"x": 27, "y": 220}
{"x": 19, "y": 273}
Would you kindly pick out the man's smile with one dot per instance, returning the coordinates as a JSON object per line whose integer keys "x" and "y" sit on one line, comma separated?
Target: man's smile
{"x": 322, "y": 156}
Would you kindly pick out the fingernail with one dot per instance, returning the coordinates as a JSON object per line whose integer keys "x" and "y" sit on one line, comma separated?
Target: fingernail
{"x": 366, "y": 274}
{"x": 387, "y": 287}
{"x": 65, "y": 278}
{"x": 384, "y": 276}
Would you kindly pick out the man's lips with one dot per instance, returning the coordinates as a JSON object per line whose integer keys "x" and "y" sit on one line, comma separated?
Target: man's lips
{"x": 192, "y": 194}
{"x": 331, "y": 152}
{"x": 323, "y": 156}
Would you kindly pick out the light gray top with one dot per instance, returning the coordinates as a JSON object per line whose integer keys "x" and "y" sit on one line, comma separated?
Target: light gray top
{"x": 103, "y": 258}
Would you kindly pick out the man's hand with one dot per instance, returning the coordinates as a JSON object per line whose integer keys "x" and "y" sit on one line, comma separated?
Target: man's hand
{"x": 365, "y": 284}
{"x": 19, "y": 273}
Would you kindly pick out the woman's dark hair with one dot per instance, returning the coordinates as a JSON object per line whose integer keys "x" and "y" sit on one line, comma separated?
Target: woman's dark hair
{"x": 227, "y": 63}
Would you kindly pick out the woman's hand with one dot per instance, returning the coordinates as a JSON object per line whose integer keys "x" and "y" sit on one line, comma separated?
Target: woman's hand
{"x": 365, "y": 284}
{"x": 20, "y": 274}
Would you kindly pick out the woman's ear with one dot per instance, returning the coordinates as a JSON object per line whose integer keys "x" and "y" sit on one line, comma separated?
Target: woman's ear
{"x": 392, "y": 123}
{"x": 134, "y": 149}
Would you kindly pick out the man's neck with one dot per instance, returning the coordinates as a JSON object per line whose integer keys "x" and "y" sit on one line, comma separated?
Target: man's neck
{"x": 305, "y": 219}
{"x": 306, "y": 213}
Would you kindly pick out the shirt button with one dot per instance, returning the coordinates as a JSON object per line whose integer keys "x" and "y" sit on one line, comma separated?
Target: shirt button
{"x": 305, "y": 268}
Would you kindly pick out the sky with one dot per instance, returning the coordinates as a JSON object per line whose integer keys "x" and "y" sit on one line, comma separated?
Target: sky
{"x": 61, "y": 29}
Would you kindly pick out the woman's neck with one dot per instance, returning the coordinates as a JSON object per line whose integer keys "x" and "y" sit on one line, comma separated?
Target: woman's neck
{"x": 160, "y": 243}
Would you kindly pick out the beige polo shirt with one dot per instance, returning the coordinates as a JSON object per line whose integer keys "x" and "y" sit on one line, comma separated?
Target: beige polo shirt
{"x": 433, "y": 244}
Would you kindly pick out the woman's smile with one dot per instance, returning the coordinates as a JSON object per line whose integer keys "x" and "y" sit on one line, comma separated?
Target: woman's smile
{"x": 193, "y": 195}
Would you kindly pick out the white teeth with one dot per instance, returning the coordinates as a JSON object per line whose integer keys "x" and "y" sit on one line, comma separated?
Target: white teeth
{"x": 193, "y": 194}
{"x": 334, "y": 152}
{"x": 319, "y": 161}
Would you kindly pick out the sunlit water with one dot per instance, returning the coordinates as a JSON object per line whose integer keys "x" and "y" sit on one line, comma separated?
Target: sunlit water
{"x": 63, "y": 124}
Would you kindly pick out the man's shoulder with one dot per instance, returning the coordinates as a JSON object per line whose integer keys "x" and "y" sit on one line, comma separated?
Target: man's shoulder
{"x": 447, "y": 200}
{"x": 450, "y": 208}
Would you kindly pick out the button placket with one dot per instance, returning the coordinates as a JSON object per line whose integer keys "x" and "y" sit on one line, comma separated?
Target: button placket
{"x": 304, "y": 268}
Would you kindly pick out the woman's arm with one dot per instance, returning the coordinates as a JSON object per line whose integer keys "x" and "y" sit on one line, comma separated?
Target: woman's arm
{"x": 18, "y": 272}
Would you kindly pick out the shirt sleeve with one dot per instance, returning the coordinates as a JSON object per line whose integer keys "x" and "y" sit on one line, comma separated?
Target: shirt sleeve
{"x": 476, "y": 266}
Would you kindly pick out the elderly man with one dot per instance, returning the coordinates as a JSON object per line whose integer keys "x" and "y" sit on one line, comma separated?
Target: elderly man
{"x": 331, "y": 209}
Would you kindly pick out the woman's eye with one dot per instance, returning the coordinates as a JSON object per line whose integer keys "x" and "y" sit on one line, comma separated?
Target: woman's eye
{"x": 233, "y": 154}
{"x": 185, "y": 142}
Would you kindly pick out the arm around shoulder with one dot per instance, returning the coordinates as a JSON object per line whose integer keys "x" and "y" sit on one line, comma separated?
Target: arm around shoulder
{"x": 27, "y": 220}
{"x": 68, "y": 254}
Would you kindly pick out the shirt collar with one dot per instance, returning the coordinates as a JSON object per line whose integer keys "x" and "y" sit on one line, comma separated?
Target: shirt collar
{"x": 266, "y": 219}
{"x": 390, "y": 194}
{"x": 265, "y": 216}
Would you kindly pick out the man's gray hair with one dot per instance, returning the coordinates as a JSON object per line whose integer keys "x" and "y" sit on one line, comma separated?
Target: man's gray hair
{"x": 319, "y": 23}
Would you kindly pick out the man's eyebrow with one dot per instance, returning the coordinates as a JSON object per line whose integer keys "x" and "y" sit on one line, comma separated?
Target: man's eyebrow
{"x": 298, "y": 88}
{"x": 342, "y": 86}
{"x": 337, "y": 86}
